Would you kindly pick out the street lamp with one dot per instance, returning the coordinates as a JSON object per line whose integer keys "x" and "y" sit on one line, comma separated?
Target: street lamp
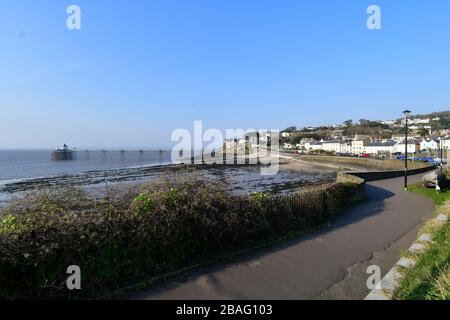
{"x": 406, "y": 113}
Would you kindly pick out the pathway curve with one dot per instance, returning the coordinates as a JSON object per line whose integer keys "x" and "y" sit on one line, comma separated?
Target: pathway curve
{"x": 327, "y": 264}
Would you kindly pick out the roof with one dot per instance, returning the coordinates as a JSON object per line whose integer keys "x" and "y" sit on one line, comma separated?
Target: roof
{"x": 430, "y": 140}
{"x": 410, "y": 141}
{"x": 382, "y": 144}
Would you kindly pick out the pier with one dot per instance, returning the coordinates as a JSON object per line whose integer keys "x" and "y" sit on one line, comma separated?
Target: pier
{"x": 66, "y": 154}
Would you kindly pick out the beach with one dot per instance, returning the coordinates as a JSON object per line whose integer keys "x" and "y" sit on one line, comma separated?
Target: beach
{"x": 293, "y": 175}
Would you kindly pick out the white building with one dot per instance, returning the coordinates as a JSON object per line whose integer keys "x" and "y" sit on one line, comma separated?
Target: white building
{"x": 421, "y": 121}
{"x": 346, "y": 148}
{"x": 429, "y": 144}
{"x": 413, "y": 146}
{"x": 357, "y": 147}
{"x": 379, "y": 147}
{"x": 332, "y": 146}
{"x": 445, "y": 143}
{"x": 313, "y": 146}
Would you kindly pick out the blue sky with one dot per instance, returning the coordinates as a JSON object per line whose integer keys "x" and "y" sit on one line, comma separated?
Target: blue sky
{"x": 139, "y": 69}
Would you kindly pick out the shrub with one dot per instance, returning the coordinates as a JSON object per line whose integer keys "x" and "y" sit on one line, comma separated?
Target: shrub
{"x": 127, "y": 236}
{"x": 142, "y": 204}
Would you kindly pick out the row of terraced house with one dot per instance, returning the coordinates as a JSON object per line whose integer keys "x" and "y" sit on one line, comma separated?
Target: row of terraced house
{"x": 372, "y": 147}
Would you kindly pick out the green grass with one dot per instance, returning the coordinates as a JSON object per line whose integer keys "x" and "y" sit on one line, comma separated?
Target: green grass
{"x": 429, "y": 278}
{"x": 438, "y": 198}
{"x": 422, "y": 281}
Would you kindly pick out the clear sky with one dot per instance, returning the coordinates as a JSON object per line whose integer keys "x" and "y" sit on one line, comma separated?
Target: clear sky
{"x": 139, "y": 69}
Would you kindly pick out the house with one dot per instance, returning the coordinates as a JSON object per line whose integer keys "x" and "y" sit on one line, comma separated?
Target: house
{"x": 421, "y": 121}
{"x": 313, "y": 146}
{"x": 429, "y": 144}
{"x": 346, "y": 148}
{"x": 444, "y": 143}
{"x": 398, "y": 137}
{"x": 413, "y": 146}
{"x": 379, "y": 147}
{"x": 357, "y": 147}
{"x": 332, "y": 146}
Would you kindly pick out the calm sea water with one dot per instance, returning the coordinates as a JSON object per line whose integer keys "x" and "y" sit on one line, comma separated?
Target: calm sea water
{"x": 20, "y": 164}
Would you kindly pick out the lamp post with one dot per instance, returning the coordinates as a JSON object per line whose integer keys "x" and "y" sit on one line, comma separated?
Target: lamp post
{"x": 406, "y": 113}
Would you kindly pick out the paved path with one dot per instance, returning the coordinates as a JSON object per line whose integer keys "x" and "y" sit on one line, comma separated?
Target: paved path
{"x": 324, "y": 265}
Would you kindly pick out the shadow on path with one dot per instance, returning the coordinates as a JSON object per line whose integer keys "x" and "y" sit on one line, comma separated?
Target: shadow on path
{"x": 304, "y": 267}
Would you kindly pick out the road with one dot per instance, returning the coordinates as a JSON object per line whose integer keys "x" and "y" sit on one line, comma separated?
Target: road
{"x": 329, "y": 264}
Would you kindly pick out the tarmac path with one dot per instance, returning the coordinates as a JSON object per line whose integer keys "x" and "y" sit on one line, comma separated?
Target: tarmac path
{"x": 328, "y": 264}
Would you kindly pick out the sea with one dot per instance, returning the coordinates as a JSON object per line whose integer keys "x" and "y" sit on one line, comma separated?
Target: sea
{"x": 25, "y": 164}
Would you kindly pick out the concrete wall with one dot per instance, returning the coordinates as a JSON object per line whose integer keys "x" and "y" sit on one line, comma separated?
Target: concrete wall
{"x": 356, "y": 184}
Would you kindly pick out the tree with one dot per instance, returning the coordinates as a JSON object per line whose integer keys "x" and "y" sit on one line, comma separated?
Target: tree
{"x": 290, "y": 129}
{"x": 386, "y": 135}
{"x": 348, "y": 123}
{"x": 423, "y": 132}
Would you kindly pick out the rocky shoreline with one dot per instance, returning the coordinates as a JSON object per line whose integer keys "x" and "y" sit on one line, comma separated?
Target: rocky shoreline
{"x": 240, "y": 178}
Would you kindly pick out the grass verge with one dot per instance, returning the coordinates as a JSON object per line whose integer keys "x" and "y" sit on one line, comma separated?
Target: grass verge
{"x": 429, "y": 279}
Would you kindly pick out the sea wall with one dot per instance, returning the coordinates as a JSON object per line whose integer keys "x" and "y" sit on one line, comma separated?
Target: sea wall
{"x": 379, "y": 165}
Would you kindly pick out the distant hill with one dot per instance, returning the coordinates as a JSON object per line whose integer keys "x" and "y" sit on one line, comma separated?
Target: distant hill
{"x": 440, "y": 114}
{"x": 443, "y": 123}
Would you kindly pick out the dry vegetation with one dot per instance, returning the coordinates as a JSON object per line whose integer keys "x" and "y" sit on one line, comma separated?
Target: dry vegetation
{"x": 125, "y": 237}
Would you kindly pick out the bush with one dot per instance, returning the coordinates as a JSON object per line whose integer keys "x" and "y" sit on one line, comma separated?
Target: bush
{"x": 125, "y": 237}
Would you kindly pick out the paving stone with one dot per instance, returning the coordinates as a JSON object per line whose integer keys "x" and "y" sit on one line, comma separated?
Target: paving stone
{"x": 377, "y": 294}
{"x": 406, "y": 262}
{"x": 390, "y": 280}
{"x": 425, "y": 237}
{"x": 417, "y": 248}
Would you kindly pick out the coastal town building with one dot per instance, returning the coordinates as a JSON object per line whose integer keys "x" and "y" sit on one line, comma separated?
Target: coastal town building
{"x": 420, "y": 121}
{"x": 346, "y": 148}
{"x": 314, "y": 146}
{"x": 332, "y": 146}
{"x": 413, "y": 146}
{"x": 445, "y": 143}
{"x": 380, "y": 147}
{"x": 429, "y": 145}
{"x": 357, "y": 147}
